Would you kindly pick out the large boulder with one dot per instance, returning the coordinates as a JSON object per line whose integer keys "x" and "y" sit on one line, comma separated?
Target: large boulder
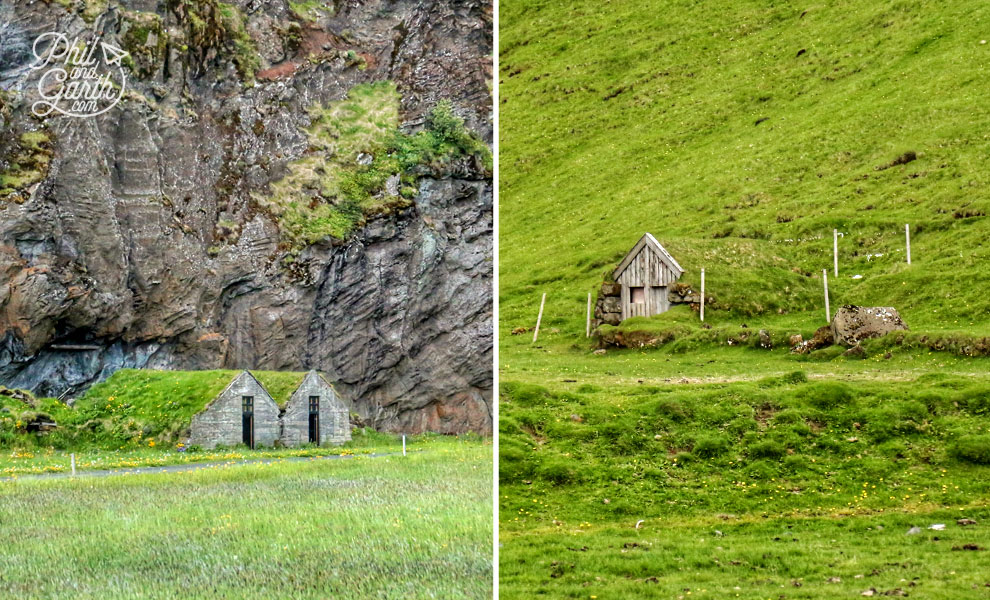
{"x": 854, "y": 323}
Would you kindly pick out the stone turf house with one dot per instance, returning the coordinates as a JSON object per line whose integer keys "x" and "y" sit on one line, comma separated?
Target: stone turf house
{"x": 315, "y": 414}
{"x": 246, "y": 413}
{"x": 243, "y": 413}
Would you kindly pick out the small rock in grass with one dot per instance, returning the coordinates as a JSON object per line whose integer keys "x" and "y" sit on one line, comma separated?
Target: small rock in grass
{"x": 965, "y": 522}
{"x": 606, "y": 501}
{"x": 869, "y": 592}
{"x": 834, "y": 580}
{"x": 914, "y": 531}
{"x": 937, "y": 526}
{"x": 599, "y": 352}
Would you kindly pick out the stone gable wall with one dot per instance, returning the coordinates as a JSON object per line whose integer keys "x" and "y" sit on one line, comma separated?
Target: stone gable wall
{"x": 335, "y": 427}
{"x": 220, "y": 424}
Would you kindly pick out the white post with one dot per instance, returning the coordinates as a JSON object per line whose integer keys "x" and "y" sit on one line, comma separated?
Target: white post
{"x": 539, "y": 318}
{"x": 73, "y": 461}
{"x": 907, "y": 239}
{"x": 403, "y": 444}
{"x": 828, "y": 313}
{"x": 587, "y": 324}
{"x": 835, "y": 250}
{"x": 702, "y": 294}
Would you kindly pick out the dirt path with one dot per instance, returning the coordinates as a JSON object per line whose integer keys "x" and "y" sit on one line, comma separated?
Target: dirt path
{"x": 184, "y": 467}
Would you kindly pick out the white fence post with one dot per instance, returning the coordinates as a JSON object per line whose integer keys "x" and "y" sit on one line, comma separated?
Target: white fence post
{"x": 539, "y": 318}
{"x": 828, "y": 313}
{"x": 403, "y": 444}
{"x": 73, "y": 462}
{"x": 907, "y": 240}
{"x": 702, "y": 295}
{"x": 835, "y": 250}
{"x": 587, "y": 324}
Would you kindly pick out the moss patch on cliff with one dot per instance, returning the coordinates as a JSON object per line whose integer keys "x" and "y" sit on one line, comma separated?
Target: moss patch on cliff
{"x": 221, "y": 27}
{"x": 145, "y": 38}
{"x": 360, "y": 165}
{"x": 312, "y": 10}
{"x": 25, "y": 163}
{"x": 93, "y": 9}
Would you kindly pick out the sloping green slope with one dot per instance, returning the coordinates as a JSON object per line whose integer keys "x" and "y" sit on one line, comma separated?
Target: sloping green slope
{"x": 740, "y": 135}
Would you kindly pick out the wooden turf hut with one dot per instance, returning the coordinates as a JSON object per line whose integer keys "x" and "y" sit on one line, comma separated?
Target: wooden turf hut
{"x": 315, "y": 414}
{"x": 645, "y": 275}
{"x": 243, "y": 413}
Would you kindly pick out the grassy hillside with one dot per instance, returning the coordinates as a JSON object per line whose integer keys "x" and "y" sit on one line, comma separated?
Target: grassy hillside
{"x": 740, "y": 136}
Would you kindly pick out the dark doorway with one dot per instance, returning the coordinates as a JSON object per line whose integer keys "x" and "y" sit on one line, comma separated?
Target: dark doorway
{"x": 314, "y": 420}
{"x": 247, "y": 420}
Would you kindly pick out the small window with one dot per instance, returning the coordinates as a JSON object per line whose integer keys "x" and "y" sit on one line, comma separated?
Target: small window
{"x": 314, "y": 405}
{"x": 247, "y": 404}
{"x": 637, "y": 295}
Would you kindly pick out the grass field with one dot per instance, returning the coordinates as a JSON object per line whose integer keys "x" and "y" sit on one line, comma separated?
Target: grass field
{"x": 741, "y": 134}
{"x": 796, "y": 474}
{"x": 389, "y": 527}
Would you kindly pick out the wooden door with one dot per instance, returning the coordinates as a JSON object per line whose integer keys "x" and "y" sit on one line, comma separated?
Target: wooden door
{"x": 247, "y": 421}
{"x": 314, "y": 420}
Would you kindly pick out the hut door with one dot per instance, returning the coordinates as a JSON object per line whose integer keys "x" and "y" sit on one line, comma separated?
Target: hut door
{"x": 314, "y": 420}
{"x": 247, "y": 421}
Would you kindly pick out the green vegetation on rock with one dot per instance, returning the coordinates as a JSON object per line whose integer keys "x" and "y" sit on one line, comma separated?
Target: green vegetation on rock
{"x": 360, "y": 165}
{"x": 312, "y": 10}
{"x": 144, "y": 37}
{"x": 27, "y": 162}
{"x": 211, "y": 24}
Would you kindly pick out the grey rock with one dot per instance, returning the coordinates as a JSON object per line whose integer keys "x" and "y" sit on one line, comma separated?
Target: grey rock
{"x": 853, "y": 324}
{"x": 765, "y": 341}
{"x": 914, "y": 531}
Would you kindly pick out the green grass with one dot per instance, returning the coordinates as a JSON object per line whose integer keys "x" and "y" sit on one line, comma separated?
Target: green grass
{"x": 361, "y": 528}
{"x": 645, "y": 122}
{"x": 838, "y": 556}
{"x": 31, "y": 457}
{"x": 580, "y": 464}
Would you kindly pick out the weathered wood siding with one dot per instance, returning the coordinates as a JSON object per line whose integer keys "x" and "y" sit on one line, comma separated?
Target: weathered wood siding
{"x": 649, "y": 271}
{"x": 335, "y": 419}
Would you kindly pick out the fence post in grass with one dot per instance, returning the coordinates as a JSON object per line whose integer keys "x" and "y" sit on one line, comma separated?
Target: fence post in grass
{"x": 539, "y": 318}
{"x": 403, "y": 444}
{"x": 828, "y": 313}
{"x": 907, "y": 240}
{"x": 587, "y": 323}
{"x": 835, "y": 250}
{"x": 72, "y": 460}
{"x": 702, "y": 295}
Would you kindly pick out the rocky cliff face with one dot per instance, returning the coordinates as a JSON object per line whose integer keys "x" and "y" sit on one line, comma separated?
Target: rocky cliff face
{"x": 144, "y": 236}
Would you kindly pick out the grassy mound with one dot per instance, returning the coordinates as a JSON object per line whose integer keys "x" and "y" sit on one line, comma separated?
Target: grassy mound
{"x": 132, "y": 407}
{"x": 737, "y": 446}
